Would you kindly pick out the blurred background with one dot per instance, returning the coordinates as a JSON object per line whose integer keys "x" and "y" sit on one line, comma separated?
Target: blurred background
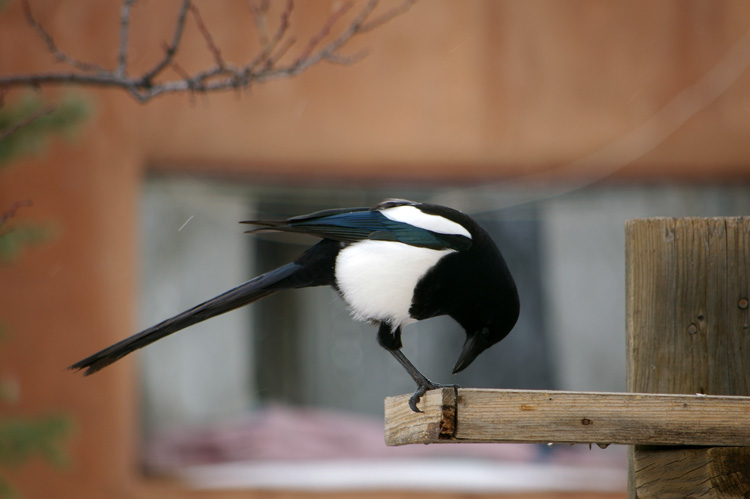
{"x": 551, "y": 123}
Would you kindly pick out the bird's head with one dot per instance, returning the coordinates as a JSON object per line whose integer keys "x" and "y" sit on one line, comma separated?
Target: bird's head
{"x": 476, "y": 343}
{"x": 480, "y": 339}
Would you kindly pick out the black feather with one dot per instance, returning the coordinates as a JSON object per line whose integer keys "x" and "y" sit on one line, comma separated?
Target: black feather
{"x": 312, "y": 268}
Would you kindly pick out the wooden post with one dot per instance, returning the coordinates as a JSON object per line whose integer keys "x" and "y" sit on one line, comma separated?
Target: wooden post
{"x": 688, "y": 331}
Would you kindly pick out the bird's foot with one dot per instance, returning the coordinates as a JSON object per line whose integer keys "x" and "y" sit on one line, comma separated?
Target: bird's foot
{"x": 422, "y": 389}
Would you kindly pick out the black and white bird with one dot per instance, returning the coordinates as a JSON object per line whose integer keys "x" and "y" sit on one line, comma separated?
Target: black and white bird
{"x": 394, "y": 264}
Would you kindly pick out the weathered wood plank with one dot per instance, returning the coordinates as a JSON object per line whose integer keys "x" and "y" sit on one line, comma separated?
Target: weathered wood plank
{"x": 436, "y": 423}
{"x": 688, "y": 282}
{"x": 713, "y": 472}
{"x": 484, "y": 415}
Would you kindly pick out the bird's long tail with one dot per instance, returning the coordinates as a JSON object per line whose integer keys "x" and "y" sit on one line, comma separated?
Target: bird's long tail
{"x": 255, "y": 289}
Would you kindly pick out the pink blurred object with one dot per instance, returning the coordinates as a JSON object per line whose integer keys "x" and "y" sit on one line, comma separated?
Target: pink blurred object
{"x": 283, "y": 433}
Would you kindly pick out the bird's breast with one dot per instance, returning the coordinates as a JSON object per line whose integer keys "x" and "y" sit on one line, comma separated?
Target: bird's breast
{"x": 377, "y": 278}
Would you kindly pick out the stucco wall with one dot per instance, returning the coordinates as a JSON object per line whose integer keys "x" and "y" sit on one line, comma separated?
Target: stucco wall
{"x": 452, "y": 91}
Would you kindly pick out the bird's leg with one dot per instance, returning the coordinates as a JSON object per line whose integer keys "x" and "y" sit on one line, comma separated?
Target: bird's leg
{"x": 423, "y": 384}
{"x": 391, "y": 341}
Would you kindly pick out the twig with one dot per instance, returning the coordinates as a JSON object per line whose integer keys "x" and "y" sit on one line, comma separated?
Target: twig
{"x": 278, "y": 53}
{"x": 4, "y": 134}
{"x": 122, "y": 56}
{"x": 260, "y": 12}
{"x": 185, "y": 77}
{"x": 207, "y": 36}
{"x": 354, "y": 28}
{"x": 171, "y": 49}
{"x": 269, "y": 46}
{"x": 11, "y": 212}
{"x": 52, "y": 46}
{"x": 315, "y": 40}
{"x": 180, "y": 71}
{"x": 386, "y": 16}
{"x": 328, "y": 52}
{"x": 347, "y": 60}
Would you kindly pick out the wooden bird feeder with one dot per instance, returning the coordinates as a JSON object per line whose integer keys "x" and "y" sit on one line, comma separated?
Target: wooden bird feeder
{"x": 687, "y": 413}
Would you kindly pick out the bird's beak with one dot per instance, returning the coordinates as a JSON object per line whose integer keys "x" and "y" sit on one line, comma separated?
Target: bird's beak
{"x": 473, "y": 347}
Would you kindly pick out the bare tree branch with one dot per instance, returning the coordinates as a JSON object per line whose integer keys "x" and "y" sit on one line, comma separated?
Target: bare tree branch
{"x": 260, "y": 11}
{"x": 386, "y": 16}
{"x": 207, "y": 36}
{"x": 223, "y": 75}
{"x": 122, "y": 56}
{"x": 315, "y": 40}
{"x": 269, "y": 46}
{"x": 52, "y": 47}
{"x": 355, "y": 27}
{"x": 171, "y": 49}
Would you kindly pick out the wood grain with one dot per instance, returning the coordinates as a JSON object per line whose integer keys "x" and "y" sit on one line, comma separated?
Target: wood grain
{"x": 436, "y": 423}
{"x": 530, "y": 416}
{"x": 687, "y": 328}
{"x": 688, "y": 282}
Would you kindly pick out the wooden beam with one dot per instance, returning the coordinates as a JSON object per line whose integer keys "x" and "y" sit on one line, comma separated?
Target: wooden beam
{"x": 484, "y": 415}
{"x": 688, "y": 285}
{"x": 705, "y": 472}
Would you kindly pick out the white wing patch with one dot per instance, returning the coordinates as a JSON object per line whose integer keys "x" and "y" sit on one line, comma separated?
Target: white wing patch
{"x": 416, "y": 217}
{"x": 377, "y": 278}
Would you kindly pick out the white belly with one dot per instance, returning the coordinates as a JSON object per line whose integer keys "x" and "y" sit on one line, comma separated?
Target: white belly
{"x": 377, "y": 278}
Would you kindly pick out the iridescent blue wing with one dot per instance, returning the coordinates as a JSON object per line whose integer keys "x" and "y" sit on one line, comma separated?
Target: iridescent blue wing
{"x": 356, "y": 224}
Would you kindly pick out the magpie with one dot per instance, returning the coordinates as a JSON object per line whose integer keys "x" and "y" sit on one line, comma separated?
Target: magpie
{"x": 394, "y": 264}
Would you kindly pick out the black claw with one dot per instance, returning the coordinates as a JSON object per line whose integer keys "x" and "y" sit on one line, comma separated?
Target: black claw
{"x": 414, "y": 399}
{"x": 423, "y": 384}
{"x": 421, "y": 390}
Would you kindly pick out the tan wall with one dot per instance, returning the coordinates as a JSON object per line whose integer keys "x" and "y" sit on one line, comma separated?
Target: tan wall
{"x": 452, "y": 90}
